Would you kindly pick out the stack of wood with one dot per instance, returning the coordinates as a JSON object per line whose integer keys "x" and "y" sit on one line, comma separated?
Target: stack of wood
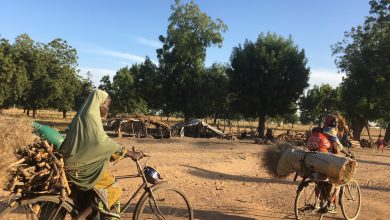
{"x": 365, "y": 143}
{"x": 38, "y": 170}
{"x": 138, "y": 127}
{"x": 294, "y": 138}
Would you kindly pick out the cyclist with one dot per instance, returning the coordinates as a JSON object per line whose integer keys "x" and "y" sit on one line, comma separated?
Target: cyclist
{"x": 87, "y": 151}
{"x": 325, "y": 140}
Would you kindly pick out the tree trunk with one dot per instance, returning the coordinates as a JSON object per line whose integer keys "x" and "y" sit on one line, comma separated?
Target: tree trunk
{"x": 28, "y": 112}
{"x": 357, "y": 128}
{"x": 230, "y": 126}
{"x": 64, "y": 114}
{"x": 35, "y": 113}
{"x": 215, "y": 119}
{"x": 369, "y": 135}
{"x": 387, "y": 134}
{"x": 261, "y": 127}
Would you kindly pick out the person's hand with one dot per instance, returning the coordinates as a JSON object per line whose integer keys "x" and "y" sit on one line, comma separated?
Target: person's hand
{"x": 351, "y": 155}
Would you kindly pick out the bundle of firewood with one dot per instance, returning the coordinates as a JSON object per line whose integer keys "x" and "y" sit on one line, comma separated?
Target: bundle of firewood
{"x": 298, "y": 139}
{"x": 38, "y": 170}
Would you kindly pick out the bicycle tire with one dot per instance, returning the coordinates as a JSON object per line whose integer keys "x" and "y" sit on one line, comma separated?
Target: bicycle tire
{"x": 145, "y": 208}
{"x": 45, "y": 202}
{"x": 309, "y": 209}
{"x": 347, "y": 197}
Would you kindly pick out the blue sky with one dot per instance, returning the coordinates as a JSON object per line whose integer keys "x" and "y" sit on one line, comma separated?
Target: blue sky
{"x": 111, "y": 34}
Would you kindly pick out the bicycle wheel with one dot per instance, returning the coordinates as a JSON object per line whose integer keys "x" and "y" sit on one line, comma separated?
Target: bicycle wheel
{"x": 350, "y": 200}
{"x": 168, "y": 201}
{"x": 40, "y": 207}
{"x": 308, "y": 201}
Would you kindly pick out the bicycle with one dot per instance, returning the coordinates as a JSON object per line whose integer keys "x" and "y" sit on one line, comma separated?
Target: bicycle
{"x": 154, "y": 202}
{"x": 313, "y": 195}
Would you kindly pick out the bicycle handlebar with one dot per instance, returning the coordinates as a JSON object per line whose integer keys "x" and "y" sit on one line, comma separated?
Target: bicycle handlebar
{"x": 136, "y": 155}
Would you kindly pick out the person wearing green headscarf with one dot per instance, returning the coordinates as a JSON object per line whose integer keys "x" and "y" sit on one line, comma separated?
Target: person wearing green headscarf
{"x": 87, "y": 149}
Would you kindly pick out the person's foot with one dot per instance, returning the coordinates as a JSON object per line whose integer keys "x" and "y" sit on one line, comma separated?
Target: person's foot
{"x": 332, "y": 209}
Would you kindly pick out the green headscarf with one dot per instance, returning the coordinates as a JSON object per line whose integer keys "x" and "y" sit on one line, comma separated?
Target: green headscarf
{"x": 87, "y": 148}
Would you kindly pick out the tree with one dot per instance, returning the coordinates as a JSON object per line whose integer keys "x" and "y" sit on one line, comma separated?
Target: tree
{"x": 267, "y": 77}
{"x": 105, "y": 84}
{"x": 125, "y": 98}
{"x": 39, "y": 85}
{"x": 148, "y": 83}
{"x": 182, "y": 56}
{"x": 13, "y": 76}
{"x": 214, "y": 92}
{"x": 318, "y": 102}
{"x": 86, "y": 88}
{"x": 364, "y": 55}
{"x": 291, "y": 118}
{"x": 62, "y": 71}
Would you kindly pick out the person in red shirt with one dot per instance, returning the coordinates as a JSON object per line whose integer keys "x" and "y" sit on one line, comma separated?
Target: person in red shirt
{"x": 380, "y": 144}
{"x": 325, "y": 140}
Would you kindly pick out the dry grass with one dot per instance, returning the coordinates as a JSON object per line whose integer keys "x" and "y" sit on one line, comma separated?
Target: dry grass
{"x": 271, "y": 156}
{"x": 14, "y": 133}
{"x": 54, "y": 118}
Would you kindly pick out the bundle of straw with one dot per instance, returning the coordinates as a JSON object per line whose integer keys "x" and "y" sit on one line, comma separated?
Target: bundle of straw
{"x": 271, "y": 157}
{"x": 14, "y": 133}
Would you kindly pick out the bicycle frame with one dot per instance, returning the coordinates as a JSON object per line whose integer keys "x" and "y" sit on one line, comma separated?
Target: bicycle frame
{"x": 147, "y": 189}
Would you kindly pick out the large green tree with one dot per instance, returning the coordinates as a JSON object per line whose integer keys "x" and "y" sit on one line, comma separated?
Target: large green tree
{"x": 268, "y": 76}
{"x": 182, "y": 56}
{"x": 13, "y": 76}
{"x": 123, "y": 92}
{"x": 148, "y": 83}
{"x": 52, "y": 80}
{"x": 214, "y": 92}
{"x": 317, "y": 102}
{"x": 364, "y": 56}
{"x": 61, "y": 67}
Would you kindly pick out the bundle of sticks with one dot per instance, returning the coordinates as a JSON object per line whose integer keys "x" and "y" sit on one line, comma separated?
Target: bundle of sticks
{"x": 298, "y": 139}
{"x": 38, "y": 170}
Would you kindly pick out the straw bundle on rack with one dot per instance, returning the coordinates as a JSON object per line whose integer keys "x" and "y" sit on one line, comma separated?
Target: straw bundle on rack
{"x": 14, "y": 133}
{"x": 338, "y": 169}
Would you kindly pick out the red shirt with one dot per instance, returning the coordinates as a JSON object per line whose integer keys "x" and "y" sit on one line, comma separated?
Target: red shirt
{"x": 318, "y": 142}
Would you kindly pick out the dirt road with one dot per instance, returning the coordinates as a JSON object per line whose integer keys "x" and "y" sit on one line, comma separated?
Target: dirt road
{"x": 224, "y": 179}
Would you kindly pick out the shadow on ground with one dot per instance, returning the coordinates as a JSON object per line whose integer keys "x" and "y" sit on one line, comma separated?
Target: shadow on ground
{"x": 203, "y": 173}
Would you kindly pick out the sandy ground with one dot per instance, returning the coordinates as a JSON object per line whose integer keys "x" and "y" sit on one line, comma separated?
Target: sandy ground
{"x": 224, "y": 179}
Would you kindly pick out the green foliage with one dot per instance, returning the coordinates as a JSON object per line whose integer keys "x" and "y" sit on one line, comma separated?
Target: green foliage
{"x": 364, "y": 55}
{"x": 182, "y": 56}
{"x": 62, "y": 72}
{"x": 214, "y": 91}
{"x": 13, "y": 77}
{"x": 268, "y": 76}
{"x": 291, "y": 118}
{"x": 51, "y": 73}
{"x": 123, "y": 92}
{"x": 148, "y": 84}
{"x": 319, "y": 101}
{"x": 86, "y": 88}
